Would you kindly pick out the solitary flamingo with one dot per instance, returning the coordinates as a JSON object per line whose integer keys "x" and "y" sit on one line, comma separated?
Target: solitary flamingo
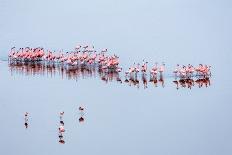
{"x": 61, "y": 128}
{"x": 26, "y": 120}
{"x": 81, "y": 108}
{"x": 144, "y": 67}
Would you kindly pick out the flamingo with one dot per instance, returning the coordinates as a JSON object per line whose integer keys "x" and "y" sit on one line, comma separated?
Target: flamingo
{"x": 26, "y": 120}
{"x": 61, "y": 113}
{"x": 86, "y": 60}
{"x": 154, "y": 70}
{"x": 81, "y": 108}
{"x": 104, "y": 50}
{"x": 137, "y": 69}
{"x": 26, "y": 114}
{"x": 61, "y": 128}
{"x": 144, "y": 67}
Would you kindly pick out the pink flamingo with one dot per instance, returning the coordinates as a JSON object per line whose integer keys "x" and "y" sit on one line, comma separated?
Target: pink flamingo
{"x": 154, "y": 70}
{"x": 61, "y": 128}
{"x": 144, "y": 67}
{"x": 81, "y": 108}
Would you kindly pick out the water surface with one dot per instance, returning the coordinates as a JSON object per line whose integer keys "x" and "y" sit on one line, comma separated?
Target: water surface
{"x": 118, "y": 118}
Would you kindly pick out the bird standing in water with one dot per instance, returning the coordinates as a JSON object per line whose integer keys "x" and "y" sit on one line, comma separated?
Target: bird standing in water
{"x": 81, "y": 108}
{"x": 81, "y": 118}
{"x": 26, "y": 120}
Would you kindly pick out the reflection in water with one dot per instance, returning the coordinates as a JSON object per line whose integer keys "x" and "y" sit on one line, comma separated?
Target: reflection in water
{"x": 26, "y": 120}
{"x": 61, "y": 129}
{"x": 82, "y": 113}
{"x": 133, "y": 80}
{"x": 203, "y": 81}
{"x": 144, "y": 80}
{"x": 61, "y": 138}
{"x": 85, "y": 71}
{"x": 155, "y": 80}
{"x": 185, "y": 76}
{"x": 65, "y": 71}
{"x": 189, "y": 82}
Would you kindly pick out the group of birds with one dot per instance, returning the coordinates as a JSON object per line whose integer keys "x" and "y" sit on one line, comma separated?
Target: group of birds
{"x": 135, "y": 69}
{"x": 82, "y": 55}
{"x": 61, "y": 128}
{"x": 85, "y": 59}
{"x": 190, "y": 71}
{"x": 186, "y": 74}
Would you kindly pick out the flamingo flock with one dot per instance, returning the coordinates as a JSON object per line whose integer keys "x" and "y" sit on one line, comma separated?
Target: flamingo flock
{"x": 84, "y": 60}
{"x": 190, "y": 71}
{"x": 82, "y": 55}
{"x": 186, "y": 74}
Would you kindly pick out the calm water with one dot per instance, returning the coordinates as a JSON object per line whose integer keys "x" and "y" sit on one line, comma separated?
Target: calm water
{"x": 119, "y": 117}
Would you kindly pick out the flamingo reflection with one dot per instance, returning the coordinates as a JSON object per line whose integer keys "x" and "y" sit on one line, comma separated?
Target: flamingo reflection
{"x": 144, "y": 80}
{"x": 203, "y": 81}
{"x": 61, "y": 138}
{"x": 190, "y": 82}
{"x": 156, "y": 80}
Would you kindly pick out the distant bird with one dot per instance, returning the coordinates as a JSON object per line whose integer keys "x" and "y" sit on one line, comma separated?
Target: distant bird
{"x": 104, "y": 50}
{"x": 61, "y": 128}
{"x": 26, "y": 114}
{"x": 81, "y": 108}
{"x": 26, "y": 120}
{"x": 62, "y": 113}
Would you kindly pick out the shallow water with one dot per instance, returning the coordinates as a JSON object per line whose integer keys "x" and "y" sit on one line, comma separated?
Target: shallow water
{"x": 119, "y": 117}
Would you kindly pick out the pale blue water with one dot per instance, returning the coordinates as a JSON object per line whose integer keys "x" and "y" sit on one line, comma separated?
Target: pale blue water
{"x": 119, "y": 119}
